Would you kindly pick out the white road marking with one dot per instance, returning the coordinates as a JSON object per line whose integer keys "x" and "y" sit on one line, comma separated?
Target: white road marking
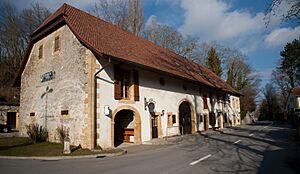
{"x": 199, "y": 160}
{"x": 251, "y": 135}
{"x": 237, "y": 141}
{"x": 268, "y": 139}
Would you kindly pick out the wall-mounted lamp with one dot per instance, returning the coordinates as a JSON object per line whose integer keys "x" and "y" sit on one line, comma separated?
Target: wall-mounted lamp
{"x": 146, "y": 103}
{"x": 162, "y": 112}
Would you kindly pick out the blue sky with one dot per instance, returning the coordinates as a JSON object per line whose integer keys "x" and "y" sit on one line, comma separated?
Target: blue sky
{"x": 237, "y": 24}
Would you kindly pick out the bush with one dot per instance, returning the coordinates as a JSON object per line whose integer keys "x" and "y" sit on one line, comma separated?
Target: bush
{"x": 37, "y": 133}
{"x": 62, "y": 133}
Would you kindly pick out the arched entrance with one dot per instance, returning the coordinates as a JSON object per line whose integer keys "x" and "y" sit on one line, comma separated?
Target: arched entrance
{"x": 185, "y": 118}
{"x": 126, "y": 126}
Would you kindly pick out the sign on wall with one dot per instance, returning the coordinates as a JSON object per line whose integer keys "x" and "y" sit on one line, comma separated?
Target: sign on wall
{"x": 48, "y": 76}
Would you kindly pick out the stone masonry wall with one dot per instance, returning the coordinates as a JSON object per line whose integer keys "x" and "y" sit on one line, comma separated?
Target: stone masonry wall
{"x": 68, "y": 91}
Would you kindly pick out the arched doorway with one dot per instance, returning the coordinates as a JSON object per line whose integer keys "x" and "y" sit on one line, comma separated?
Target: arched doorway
{"x": 185, "y": 118}
{"x": 126, "y": 126}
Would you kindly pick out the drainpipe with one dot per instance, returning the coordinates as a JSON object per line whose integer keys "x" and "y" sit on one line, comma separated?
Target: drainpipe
{"x": 95, "y": 100}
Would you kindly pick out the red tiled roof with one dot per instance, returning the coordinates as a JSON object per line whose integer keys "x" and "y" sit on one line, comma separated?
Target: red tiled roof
{"x": 105, "y": 38}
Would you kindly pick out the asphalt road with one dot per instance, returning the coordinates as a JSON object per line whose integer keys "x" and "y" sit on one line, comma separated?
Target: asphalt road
{"x": 249, "y": 149}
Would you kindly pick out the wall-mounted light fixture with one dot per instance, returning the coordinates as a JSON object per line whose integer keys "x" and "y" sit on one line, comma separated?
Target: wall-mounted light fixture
{"x": 146, "y": 103}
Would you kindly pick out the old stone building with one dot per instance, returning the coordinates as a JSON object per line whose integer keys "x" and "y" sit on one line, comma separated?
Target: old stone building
{"x": 108, "y": 86}
{"x": 9, "y": 114}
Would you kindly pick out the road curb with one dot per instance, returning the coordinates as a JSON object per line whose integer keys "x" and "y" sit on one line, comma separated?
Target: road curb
{"x": 56, "y": 158}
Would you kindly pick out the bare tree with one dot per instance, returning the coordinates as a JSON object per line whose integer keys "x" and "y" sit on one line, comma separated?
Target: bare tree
{"x": 136, "y": 17}
{"x": 15, "y": 28}
{"x": 240, "y": 76}
{"x": 276, "y": 8}
{"x": 168, "y": 37}
{"x": 270, "y": 107}
{"x": 127, "y": 14}
{"x": 32, "y": 17}
{"x": 281, "y": 82}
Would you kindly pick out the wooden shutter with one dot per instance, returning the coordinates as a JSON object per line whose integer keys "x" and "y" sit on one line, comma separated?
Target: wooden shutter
{"x": 117, "y": 83}
{"x": 136, "y": 85}
{"x": 205, "y": 106}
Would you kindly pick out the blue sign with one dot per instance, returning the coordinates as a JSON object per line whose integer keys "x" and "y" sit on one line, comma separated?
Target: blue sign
{"x": 47, "y": 76}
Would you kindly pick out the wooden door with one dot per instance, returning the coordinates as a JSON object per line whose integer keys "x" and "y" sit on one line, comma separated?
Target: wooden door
{"x": 206, "y": 122}
{"x": 185, "y": 118}
{"x": 155, "y": 126}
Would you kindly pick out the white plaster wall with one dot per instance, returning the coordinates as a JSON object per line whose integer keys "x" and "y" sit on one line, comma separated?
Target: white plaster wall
{"x": 234, "y": 109}
{"x": 167, "y": 98}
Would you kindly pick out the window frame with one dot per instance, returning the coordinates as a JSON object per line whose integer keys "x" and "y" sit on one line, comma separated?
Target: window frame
{"x": 126, "y": 87}
{"x": 56, "y": 43}
{"x": 40, "y": 51}
{"x": 170, "y": 119}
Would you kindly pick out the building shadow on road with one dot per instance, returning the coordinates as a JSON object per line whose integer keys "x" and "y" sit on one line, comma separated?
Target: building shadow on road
{"x": 276, "y": 152}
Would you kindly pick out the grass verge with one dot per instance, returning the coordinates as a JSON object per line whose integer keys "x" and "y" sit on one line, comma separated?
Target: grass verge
{"x": 20, "y": 146}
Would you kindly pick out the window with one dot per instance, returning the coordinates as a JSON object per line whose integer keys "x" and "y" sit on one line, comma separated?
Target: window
{"x": 56, "y": 43}
{"x": 125, "y": 84}
{"x": 162, "y": 81}
{"x": 185, "y": 87}
{"x": 125, "y": 80}
{"x": 237, "y": 103}
{"x": 32, "y": 114}
{"x": 199, "y": 118}
{"x": 64, "y": 112}
{"x": 233, "y": 103}
{"x": 174, "y": 119}
{"x": 205, "y": 106}
{"x": 171, "y": 119}
{"x": 40, "y": 51}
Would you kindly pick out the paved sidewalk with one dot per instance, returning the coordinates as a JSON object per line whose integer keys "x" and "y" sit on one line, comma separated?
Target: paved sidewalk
{"x": 10, "y": 134}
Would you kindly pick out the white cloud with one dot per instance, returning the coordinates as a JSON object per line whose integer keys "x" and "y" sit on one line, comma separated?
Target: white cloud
{"x": 216, "y": 20}
{"x": 213, "y": 20}
{"x": 281, "y": 36}
{"x": 148, "y": 22}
